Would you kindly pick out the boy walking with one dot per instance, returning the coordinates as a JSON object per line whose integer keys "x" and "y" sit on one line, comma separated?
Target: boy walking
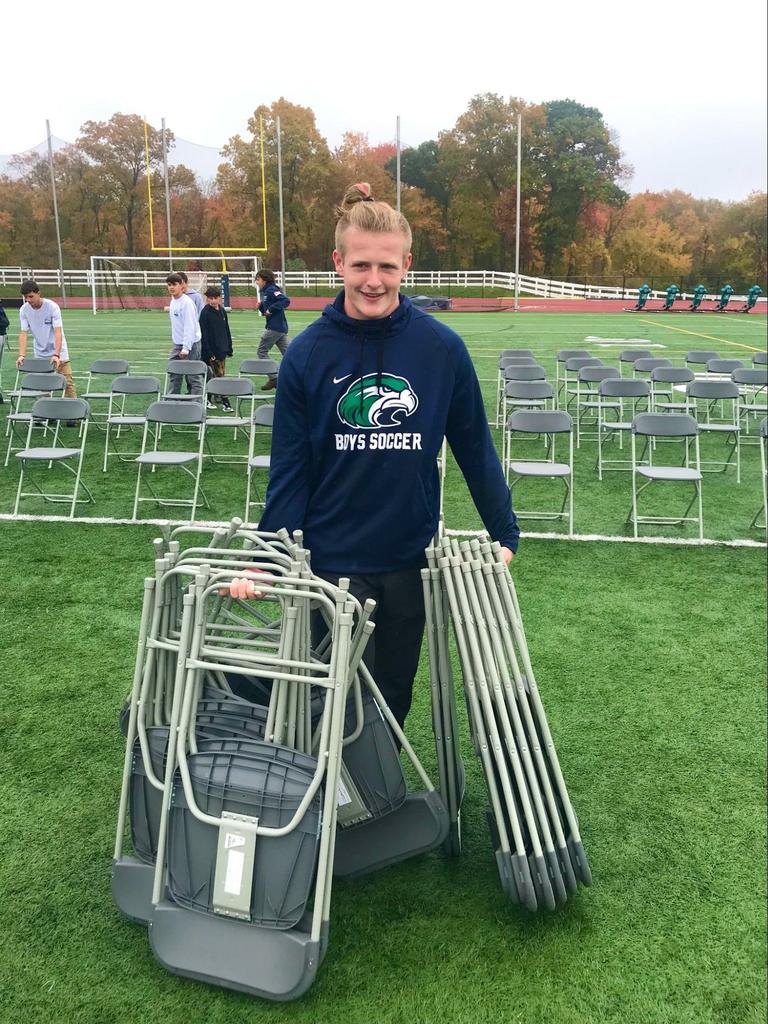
{"x": 272, "y": 306}
{"x": 42, "y": 317}
{"x": 216, "y": 338}
{"x": 185, "y": 334}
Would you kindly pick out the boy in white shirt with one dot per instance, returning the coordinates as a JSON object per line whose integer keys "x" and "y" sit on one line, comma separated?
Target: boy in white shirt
{"x": 43, "y": 318}
{"x": 185, "y": 334}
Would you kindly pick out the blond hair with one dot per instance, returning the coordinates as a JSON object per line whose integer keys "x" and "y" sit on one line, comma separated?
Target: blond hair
{"x": 358, "y": 209}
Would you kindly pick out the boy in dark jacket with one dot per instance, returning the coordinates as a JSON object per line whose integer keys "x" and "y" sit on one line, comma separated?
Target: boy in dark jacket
{"x": 216, "y": 339}
{"x": 272, "y": 306}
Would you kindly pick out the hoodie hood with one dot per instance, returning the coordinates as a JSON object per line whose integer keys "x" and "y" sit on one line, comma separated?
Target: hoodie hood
{"x": 388, "y": 326}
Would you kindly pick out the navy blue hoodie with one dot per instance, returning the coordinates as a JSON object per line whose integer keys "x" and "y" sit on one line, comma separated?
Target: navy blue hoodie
{"x": 361, "y": 410}
{"x": 276, "y": 302}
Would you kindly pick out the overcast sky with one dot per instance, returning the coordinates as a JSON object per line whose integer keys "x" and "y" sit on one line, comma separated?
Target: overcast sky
{"x": 683, "y": 84}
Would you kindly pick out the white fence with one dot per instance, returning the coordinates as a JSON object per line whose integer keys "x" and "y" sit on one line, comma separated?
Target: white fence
{"x": 322, "y": 280}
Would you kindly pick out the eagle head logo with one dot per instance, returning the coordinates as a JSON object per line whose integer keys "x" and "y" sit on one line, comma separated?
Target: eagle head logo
{"x": 368, "y": 406}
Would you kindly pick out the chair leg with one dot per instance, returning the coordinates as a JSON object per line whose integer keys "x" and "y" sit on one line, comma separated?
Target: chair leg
{"x": 136, "y": 494}
{"x": 18, "y": 489}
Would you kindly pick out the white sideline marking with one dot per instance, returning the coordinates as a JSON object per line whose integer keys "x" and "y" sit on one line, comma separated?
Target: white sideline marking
{"x": 595, "y": 339}
{"x": 606, "y": 538}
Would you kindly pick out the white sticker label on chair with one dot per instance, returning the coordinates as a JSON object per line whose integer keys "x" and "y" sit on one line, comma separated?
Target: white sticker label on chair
{"x": 343, "y": 795}
{"x": 233, "y": 881}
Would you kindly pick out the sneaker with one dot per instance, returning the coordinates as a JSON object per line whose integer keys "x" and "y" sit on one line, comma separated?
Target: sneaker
{"x": 210, "y": 405}
{"x": 71, "y": 423}
{"x": 270, "y": 385}
{"x": 227, "y": 407}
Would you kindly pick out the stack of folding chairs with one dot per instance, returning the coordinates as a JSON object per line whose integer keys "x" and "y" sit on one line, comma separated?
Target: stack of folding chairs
{"x": 262, "y": 760}
{"x": 535, "y": 833}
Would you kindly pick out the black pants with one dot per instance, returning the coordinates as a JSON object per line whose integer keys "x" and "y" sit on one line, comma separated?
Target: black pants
{"x": 392, "y": 653}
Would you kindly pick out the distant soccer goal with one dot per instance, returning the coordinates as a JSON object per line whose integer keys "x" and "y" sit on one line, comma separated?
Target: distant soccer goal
{"x": 138, "y": 282}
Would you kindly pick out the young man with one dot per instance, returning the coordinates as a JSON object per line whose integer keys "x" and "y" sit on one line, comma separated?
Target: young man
{"x": 192, "y": 293}
{"x": 185, "y": 334}
{"x": 216, "y": 340}
{"x": 42, "y": 317}
{"x": 366, "y": 394}
{"x": 272, "y": 306}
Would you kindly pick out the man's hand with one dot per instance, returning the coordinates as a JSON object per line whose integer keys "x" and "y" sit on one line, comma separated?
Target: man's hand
{"x": 243, "y": 588}
{"x": 56, "y": 359}
{"x": 507, "y": 555}
{"x": 19, "y": 361}
{"x": 183, "y": 355}
{"x": 267, "y": 312}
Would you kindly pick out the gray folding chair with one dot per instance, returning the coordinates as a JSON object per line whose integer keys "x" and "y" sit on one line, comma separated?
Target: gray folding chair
{"x": 522, "y": 394}
{"x": 650, "y": 426}
{"x": 619, "y": 401}
{"x": 628, "y": 356}
{"x": 56, "y": 412}
{"x": 31, "y": 387}
{"x": 570, "y": 377}
{"x": 259, "y": 368}
{"x": 190, "y": 462}
{"x": 698, "y": 358}
{"x": 546, "y": 425}
{"x": 191, "y": 370}
{"x": 509, "y": 357}
{"x": 562, "y": 358}
{"x": 587, "y": 396}
{"x": 31, "y": 364}
{"x": 760, "y": 359}
{"x": 124, "y": 417}
{"x": 665, "y": 380}
{"x": 644, "y": 367}
{"x": 753, "y": 389}
{"x": 240, "y": 389}
{"x": 715, "y": 406}
{"x": 724, "y": 367}
{"x": 102, "y": 368}
{"x": 262, "y": 417}
{"x": 764, "y": 474}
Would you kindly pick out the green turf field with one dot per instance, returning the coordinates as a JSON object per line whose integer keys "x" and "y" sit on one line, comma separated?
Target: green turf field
{"x": 651, "y": 664}
{"x": 601, "y": 508}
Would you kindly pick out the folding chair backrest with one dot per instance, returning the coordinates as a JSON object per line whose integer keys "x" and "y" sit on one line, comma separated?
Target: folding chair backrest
{"x": 113, "y": 366}
{"x": 712, "y": 389}
{"x": 760, "y": 359}
{"x": 232, "y": 387}
{"x": 630, "y": 355}
{"x": 724, "y": 365}
{"x": 176, "y": 412}
{"x": 646, "y": 365}
{"x": 264, "y": 416}
{"x": 525, "y": 372}
{"x": 61, "y": 409}
{"x": 33, "y": 364}
{"x": 515, "y": 352}
{"x": 592, "y": 374}
{"x": 700, "y": 357}
{"x": 574, "y": 363}
{"x": 126, "y": 385}
{"x": 672, "y": 375}
{"x": 533, "y": 389}
{"x": 506, "y": 361}
{"x": 627, "y": 387}
{"x": 571, "y": 353}
{"x": 43, "y": 382}
{"x": 750, "y": 375}
{"x": 667, "y": 424}
{"x": 540, "y": 422}
{"x": 187, "y": 367}
{"x": 258, "y": 366}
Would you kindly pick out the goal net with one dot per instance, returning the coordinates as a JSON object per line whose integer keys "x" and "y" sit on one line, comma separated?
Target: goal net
{"x": 138, "y": 282}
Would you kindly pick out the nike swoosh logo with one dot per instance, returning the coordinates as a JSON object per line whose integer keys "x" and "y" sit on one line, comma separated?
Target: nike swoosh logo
{"x": 338, "y": 380}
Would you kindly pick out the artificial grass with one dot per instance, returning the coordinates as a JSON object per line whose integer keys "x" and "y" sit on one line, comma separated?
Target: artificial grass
{"x": 651, "y": 664}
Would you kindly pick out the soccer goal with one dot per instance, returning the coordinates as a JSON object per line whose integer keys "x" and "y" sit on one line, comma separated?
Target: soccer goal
{"x": 138, "y": 282}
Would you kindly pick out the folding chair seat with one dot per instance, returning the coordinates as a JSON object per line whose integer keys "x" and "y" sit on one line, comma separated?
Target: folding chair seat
{"x": 760, "y": 359}
{"x": 31, "y": 386}
{"x": 129, "y": 419}
{"x": 102, "y": 368}
{"x": 619, "y": 398}
{"x": 72, "y": 412}
{"x": 753, "y": 390}
{"x": 644, "y": 367}
{"x": 587, "y": 395}
{"x": 629, "y": 356}
{"x": 241, "y": 390}
{"x": 190, "y": 462}
{"x": 714, "y": 404}
{"x": 652, "y": 426}
{"x": 570, "y": 377}
{"x": 546, "y": 425}
{"x": 187, "y": 368}
{"x": 724, "y": 367}
{"x": 697, "y": 359}
{"x": 763, "y": 431}
{"x": 524, "y": 394}
{"x": 676, "y": 377}
{"x": 262, "y": 417}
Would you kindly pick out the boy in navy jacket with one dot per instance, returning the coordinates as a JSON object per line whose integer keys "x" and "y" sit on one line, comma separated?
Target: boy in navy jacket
{"x": 273, "y": 305}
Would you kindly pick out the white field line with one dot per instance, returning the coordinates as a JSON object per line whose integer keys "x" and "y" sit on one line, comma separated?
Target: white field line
{"x": 577, "y": 537}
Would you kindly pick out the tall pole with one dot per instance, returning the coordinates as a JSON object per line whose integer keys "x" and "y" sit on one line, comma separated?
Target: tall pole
{"x": 280, "y": 202}
{"x": 56, "y": 213}
{"x": 398, "y": 162}
{"x": 517, "y": 212}
{"x": 167, "y": 197}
